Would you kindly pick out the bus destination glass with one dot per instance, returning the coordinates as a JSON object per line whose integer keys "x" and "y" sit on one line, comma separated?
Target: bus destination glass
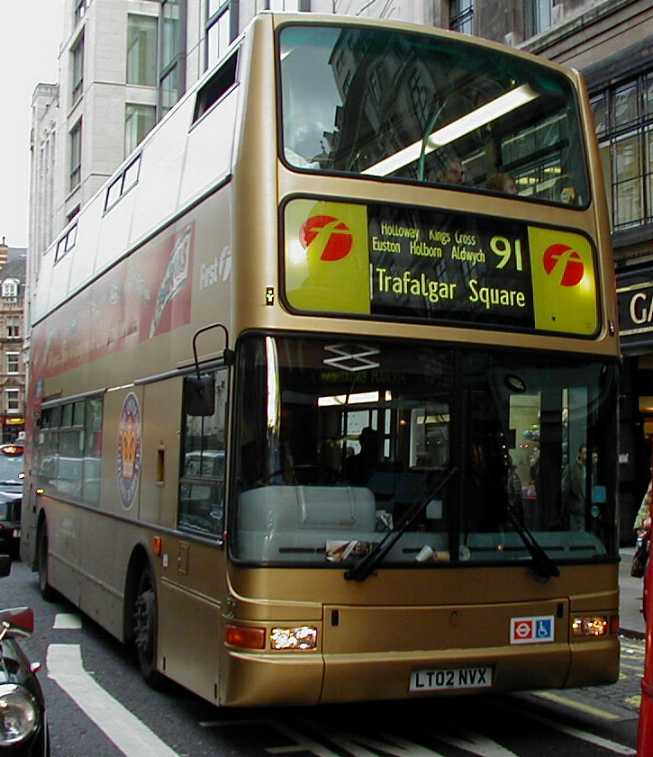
{"x": 437, "y": 266}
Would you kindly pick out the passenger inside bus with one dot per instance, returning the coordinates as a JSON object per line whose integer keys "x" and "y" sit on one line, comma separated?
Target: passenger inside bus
{"x": 358, "y": 468}
{"x": 453, "y": 172}
{"x": 502, "y": 182}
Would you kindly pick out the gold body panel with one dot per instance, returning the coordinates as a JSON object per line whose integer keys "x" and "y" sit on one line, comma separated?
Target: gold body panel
{"x": 400, "y": 621}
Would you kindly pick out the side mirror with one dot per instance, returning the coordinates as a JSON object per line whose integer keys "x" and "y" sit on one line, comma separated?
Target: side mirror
{"x": 199, "y": 395}
{"x": 5, "y": 565}
{"x": 19, "y": 621}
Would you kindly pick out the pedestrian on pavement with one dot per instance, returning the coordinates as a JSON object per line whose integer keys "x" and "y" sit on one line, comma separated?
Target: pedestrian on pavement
{"x": 642, "y": 528}
{"x": 643, "y": 519}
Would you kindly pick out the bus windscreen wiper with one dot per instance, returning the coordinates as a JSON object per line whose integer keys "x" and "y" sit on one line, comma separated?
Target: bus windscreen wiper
{"x": 543, "y": 565}
{"x": 364, "y": 568}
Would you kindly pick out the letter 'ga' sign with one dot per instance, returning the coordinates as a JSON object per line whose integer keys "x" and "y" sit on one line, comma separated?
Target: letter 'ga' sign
{"x": 430, "y": 265}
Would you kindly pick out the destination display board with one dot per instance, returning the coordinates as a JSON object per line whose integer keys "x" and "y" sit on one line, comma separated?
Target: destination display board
{"x": 436, "y": 266}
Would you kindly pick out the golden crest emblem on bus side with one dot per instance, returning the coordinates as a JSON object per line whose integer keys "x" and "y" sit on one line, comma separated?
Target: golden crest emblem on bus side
{"x": 129, "y": 449}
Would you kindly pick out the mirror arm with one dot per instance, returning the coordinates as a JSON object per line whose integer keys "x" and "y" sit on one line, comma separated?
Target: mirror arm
{"x": 227, "y": 354}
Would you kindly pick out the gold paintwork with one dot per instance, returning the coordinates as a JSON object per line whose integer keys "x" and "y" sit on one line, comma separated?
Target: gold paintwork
{"x": 395, "y": 622}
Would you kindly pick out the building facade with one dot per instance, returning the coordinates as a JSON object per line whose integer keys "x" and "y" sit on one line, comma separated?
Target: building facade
{"x": 12, "y": 370}
{"x": 611, "y": 42}
{"x": 124, "y": 63}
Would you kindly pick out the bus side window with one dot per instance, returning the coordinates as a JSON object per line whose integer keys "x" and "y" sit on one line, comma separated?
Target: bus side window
{"x": 202, "y": 478}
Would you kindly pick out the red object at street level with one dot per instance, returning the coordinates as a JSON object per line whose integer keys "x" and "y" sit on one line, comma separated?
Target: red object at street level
{"x": 645, "y": 730}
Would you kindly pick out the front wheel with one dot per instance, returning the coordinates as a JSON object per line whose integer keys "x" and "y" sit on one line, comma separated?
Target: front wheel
{"x": 47, "y": 592}
{"x": 146, "y": 629}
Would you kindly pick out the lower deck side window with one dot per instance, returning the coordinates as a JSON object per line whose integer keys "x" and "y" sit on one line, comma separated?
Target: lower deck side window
{"x": 69, "y": 449}
{"x": 202, "y": 476}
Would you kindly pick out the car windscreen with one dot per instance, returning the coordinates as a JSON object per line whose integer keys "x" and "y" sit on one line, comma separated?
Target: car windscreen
{"x": 10, "y": 467}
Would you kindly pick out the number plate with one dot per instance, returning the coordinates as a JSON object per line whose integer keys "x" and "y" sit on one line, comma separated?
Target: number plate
{"x": 16, "y": 533}
{"x": 452, "y": 678}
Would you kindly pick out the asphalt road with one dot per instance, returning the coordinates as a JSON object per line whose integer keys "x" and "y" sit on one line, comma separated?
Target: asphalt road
{"x": 99, "y": 707}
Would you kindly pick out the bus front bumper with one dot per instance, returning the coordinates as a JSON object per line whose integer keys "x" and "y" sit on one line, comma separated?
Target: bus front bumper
{"x": 312, "y": 678}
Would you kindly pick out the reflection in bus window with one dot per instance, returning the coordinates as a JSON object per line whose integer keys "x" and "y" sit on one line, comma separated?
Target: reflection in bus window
{"x": 462, "y": 116}
{"x": 68, "y": 453}
{"x": 201, "y": 484}
{"x": 511, "y": 414}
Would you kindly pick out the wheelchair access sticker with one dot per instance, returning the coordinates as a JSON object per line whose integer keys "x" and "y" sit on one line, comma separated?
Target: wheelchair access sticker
{"x": 534, "y": 630}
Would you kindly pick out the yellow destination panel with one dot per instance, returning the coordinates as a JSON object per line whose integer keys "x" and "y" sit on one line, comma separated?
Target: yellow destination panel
{"x": 327, "y": 259}
{"x": 564, "y": 282}
{"x": 436, "y": 266}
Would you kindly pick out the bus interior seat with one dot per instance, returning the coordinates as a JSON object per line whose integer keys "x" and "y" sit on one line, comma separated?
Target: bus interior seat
{"x": 282, "y": 518}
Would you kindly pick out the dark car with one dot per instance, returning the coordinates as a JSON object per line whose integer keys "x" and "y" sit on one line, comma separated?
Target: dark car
{"x": 23, "y": 721}
{"x": 11, "y": 496}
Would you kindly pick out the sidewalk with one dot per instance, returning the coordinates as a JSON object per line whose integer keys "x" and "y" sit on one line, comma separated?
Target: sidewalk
{"x": 630, "y": 597}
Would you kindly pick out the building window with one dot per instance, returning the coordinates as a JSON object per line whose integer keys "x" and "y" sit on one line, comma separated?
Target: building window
{"x": 172, "y": 52}
{"x": 218, "y": 30}
{"x": 10, "y": 289}
{"x": 13, "y": 362}
{"x": 537, "y": 16}
{"x": 623, "y": 119}
{"x": 77, "y": 68}
{"x": 461, "y": 16}
{"x": 284, "y": 5}
{"x": 81, "y": 6}
{"x": 139, "y": 119}
{"x": 141, "y": 50}
{"x": 170, "y": 32}
{"x": 75, "y": 155}
{"x": 12, "y": 398}
{"x": 13, "y": 328}
{"x": 169, "y": 91}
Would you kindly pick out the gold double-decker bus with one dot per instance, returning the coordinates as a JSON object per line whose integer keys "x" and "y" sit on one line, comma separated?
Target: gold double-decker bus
{"x": 324, "y": 380}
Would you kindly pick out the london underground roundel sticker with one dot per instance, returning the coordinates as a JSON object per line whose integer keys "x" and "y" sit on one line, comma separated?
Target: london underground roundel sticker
{"x": 129, "y": 451}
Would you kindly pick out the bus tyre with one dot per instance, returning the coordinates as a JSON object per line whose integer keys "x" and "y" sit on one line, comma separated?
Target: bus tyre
{"x": 145, "y": 629}
{"x": 47, "y": 592}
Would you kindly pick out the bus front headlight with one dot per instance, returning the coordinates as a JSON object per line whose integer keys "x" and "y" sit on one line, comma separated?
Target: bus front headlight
{"x": 303, "y": 637}
{"x": 19, "y": 714}
{"x": 592, "y": 625}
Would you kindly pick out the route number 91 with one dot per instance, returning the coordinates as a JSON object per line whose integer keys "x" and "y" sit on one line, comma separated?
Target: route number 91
{"x": 502, "y": 247}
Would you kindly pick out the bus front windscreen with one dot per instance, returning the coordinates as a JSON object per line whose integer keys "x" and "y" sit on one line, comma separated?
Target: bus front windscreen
{"x": 425, "y": 109}
{"x": 346, "y": 438}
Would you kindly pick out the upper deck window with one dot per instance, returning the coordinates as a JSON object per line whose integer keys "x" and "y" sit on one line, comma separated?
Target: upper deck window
{"x": 122, "y": 183}
{"x": 66, "y": 243}
{"x": 221, "y": 81}
{"x": 449, "y": 112}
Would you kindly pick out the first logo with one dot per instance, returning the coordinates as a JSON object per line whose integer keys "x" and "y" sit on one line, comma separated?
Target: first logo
{"x": 331, "y": 236}
{"x": 573, "y": 268}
